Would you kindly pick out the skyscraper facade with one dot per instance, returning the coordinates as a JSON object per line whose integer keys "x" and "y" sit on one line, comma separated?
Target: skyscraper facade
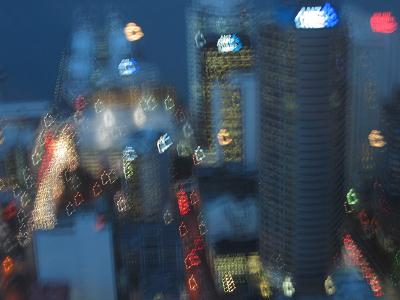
{"x": 219, "y": 52}
{"x": 302, "y": 140}
{"x": 391, "y": 116}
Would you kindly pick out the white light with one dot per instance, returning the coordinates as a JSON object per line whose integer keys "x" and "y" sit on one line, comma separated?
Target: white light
{"x": 129, "y": 154}
{"x": 287, "y": 287}
{"x": 229, "y": 43}
{"x": 163, "y": 143}
{"x": 316, "y": 17}
{"x": 139, "y": 117}
{"x": 109, "y": 120}
{"x": 127, "y": 67}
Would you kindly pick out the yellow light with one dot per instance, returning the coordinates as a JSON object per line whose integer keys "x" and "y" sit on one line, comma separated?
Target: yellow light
{"x": 228, "y": 283}
{"x": 376, "y": 139}
{"x": 224, "y": 137}
{"x": 51, "y": 186}
{"x": 329, "y": 286}
{"x": 265, "y": 289}
{"x": 133, "y": 32}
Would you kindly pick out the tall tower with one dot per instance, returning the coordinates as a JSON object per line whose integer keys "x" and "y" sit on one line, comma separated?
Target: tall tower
{"x": 302, "y": 140}
{"x": 219, "y": 52}
{"x": 391, "y": 119}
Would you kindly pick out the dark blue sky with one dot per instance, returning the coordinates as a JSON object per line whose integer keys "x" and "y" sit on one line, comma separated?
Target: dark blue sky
{"x": 34, "y": 33}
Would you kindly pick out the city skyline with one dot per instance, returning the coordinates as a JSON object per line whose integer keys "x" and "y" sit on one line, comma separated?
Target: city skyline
{"x": 225, "y": 150}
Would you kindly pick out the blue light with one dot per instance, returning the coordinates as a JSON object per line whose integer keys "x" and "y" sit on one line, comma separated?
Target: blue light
{"x": 127, "y": 67}
{"x": 317, "y": 17}
{"x": 229, "y": 43}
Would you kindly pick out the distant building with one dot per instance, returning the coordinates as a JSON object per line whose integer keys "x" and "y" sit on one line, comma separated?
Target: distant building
{"x": 49, "y": 292}
{"x": 302, "y": 142}
{"x": 391, "y": 116}
{"x": 79, "y": 255}
{"x": 374, "y": 59}
{"x": 152, "y": 259}
{"x": 222, "y": 83}
{"x": 18, "y": 124}
{"x": 236, "y": 268}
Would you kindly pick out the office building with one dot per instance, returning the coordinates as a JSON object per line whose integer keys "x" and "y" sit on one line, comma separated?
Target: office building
{"x": 391, "y": 116}
{"x": 302, "y": 140}
{"x": 222, "y": 83}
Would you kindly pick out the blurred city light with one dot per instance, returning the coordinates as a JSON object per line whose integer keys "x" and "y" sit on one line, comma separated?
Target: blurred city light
{"x": 316, "y": 17}
{"x": 383, "y": 22}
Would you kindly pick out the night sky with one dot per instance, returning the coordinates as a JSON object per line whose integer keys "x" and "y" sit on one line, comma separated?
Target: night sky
{"x": 34, "y": 34}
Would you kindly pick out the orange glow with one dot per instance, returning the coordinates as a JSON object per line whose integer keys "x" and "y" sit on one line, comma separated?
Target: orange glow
{"x": 224, "y": 137}
{"x": 192, "y": 283}
{"x": 133, "y": 32}
{"x": 8, "y": 265}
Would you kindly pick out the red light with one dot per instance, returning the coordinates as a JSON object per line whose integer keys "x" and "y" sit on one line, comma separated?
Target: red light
{"x": 192, "y": 259}
{"x": 48, "y": 154}
{"x": 383, "y": 22}
{"x": 357, "y": 258}
{"x": 79, "y": 103}
{"x": 199, "y": 244}
{"x": 8, "y": 265}
{"x": 183, "y": 202}
{"x": 9, "y": 212}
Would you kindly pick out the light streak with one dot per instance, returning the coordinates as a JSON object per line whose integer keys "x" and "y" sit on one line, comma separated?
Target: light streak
{"x": 8, "y": 265}
{"x": 60, "y": 155}
{"x": 183, "y": 229}
{"x": 163, "y": 143}
{"x": 183, "y": 202}
{"x": 192, "y": 283}
{"x": 356, "y": 258}
{"x": 169, "y": 103}
{"x": 228, "y": 283}
{"x": 78, "y": 199}
{"x": 198, "y": 156}
{"x": 192, "y": 260}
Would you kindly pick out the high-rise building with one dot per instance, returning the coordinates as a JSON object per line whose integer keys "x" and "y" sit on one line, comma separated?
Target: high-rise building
{"x": 302, "y": 140}
{"x": 222, "y": 84}
{"x": 391, "y": 116}
{"x": 374, "y": 59}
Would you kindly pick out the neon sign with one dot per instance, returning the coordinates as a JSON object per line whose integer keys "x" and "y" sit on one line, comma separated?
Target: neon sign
{"x": 229, "y": 43}
{"x": 383, "y": 22}
{"x": 316, "y": 17}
